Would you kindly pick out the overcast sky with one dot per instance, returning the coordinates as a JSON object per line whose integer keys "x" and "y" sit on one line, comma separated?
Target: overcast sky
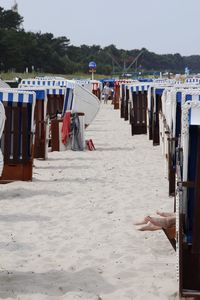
{"x": 161, "y": 26}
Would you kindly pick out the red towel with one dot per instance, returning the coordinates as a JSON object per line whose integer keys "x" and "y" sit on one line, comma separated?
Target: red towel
{"x": 66, "y": 127}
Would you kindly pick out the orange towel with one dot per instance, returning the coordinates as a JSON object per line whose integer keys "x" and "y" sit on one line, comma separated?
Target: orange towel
{"x": 66, "y": 127}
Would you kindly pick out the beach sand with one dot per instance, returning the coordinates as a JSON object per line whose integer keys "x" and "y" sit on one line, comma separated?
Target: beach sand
{"x": 69, "y": 234}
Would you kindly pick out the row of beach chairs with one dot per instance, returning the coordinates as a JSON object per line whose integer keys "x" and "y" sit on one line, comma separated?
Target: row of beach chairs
{"x": 169, "y": 113}
{"x": 34, "y": 115}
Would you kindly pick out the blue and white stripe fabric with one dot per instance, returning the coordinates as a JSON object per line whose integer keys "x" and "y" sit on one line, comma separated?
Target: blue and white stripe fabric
{"x": 56, "y": 91}
{"x": 34, "y": 82}
{"x": 47, "y": 83}
{"x": 193, "y": 80}
{"x": 68, "y": 101}
{"x": 17, "y": 96}
{"x": 53, "y": 90}
{"x": 139, "y": 88}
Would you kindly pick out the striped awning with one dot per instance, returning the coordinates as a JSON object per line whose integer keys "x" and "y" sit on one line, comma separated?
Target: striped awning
{"x": 17, "y": 96}
{"x": 193, "y": 80}
{"x": 188, "y": 96}
{"x": 43, "y": 82}
{"x": 139, "y": 88}
{"x": 39, "y": 91}
{"x": 46, "y": 83}
{"x": 56, "y": 91}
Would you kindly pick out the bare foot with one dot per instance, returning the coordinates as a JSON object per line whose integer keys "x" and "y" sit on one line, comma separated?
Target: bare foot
{"x": 165, "y": 214}
{"x": 144, "y": 221}
{"x": 166, "y": 222}
{"x": 149, "y": 227}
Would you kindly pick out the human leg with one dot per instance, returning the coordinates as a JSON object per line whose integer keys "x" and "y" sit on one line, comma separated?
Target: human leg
{"x": 164, "y": 222}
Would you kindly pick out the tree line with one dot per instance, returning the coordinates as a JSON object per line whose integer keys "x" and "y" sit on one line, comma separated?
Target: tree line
{"x": 42, "y": 52}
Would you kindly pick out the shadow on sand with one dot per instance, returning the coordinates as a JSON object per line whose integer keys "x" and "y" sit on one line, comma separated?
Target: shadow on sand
{"x": 52, "y": 283}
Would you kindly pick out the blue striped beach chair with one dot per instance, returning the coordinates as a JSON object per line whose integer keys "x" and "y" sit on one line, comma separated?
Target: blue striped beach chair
{"x": 171, "y": 110}
{"x": 59, "y": 99}
{"x": 188, "y": 196}
{"x": 138, "y": 108}
{"x": 41, "y": 121}
{"x": 18, "y": 135}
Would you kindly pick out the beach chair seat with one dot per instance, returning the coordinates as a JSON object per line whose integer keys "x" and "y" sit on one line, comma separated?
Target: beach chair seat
{"x": 17, "y": 138}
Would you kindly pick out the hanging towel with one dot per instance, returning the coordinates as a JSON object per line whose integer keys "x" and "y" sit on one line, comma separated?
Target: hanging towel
{"x": 66, "y": 127}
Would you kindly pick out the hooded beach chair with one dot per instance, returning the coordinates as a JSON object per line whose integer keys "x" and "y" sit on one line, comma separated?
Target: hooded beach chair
{"x": 188, "y": 197}
{"x": 2, "y": 123}
{"x": 57, "y": 97}
{"x": 171, "y": 111}
{"x": 48, "y": 112}
{"x": 18, "y": 135}
{"x": 138, "y": 110}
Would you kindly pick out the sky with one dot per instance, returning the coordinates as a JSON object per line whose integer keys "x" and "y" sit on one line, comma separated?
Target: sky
{"x": 161, "y": 26}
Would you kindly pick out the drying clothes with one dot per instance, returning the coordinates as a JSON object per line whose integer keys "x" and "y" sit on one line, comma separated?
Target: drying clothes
{"x": 78, "y": 141}
{"x": 66, "y": 127}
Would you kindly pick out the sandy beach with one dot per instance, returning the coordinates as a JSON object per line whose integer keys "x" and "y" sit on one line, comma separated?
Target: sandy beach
{"x": 69, "y": 234}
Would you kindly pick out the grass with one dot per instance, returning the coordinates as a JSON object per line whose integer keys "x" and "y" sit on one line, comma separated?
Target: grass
{"x": 12, "y": 76}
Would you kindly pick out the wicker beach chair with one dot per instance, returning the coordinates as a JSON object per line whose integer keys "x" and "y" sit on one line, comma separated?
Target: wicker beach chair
{"x": 59, "y": 98}
{"x": 17, "y": 138}
{"x": 188, "y": 195}
{"x": 138, "y": 111}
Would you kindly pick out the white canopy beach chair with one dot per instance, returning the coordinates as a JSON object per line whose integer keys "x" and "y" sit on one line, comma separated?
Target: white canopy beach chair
{"x": 188, "y": 197}
{"x": 2, "y": 123}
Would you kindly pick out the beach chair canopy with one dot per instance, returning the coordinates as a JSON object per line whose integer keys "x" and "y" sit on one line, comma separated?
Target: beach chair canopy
{"x": 3, "y": 84}
{"x": 85, "y": 102}
{"x": 139, "y": 87}
{"x": 42, "y": 82}
{"x": 11, "y": 96}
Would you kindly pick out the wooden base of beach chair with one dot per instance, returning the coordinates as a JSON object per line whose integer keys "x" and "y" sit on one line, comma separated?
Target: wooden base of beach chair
{"x": 40, "y": 144}
{"x": 116, "y": 104}
{"x": 40, "y": 131}
{"x": 55, "y": 134}
{"x": 190, "y": 281}
{"x": 116, "y": 96}
{"x": 140, "y": 129}
{"x": 122, "y": 109}
{"x": 22, "y": 172}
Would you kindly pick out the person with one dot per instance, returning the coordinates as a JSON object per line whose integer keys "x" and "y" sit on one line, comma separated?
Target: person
{"x": 106, "y": 92}
{"x": 165, "y": 221}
